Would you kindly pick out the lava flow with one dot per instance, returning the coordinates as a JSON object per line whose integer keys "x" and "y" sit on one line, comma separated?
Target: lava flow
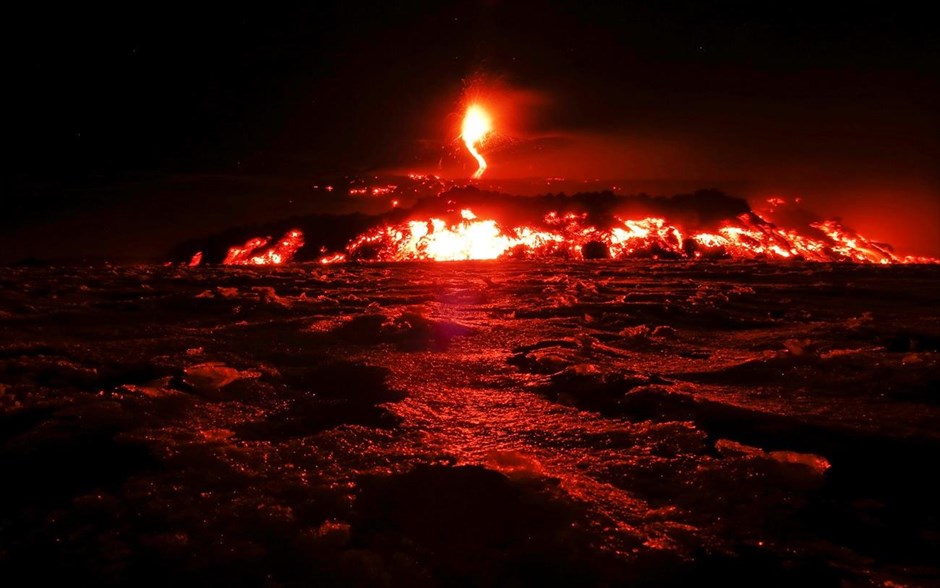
{"x": 434, "y": 239}
{"x": 477, "y": 124}
{"x": 750, "y": 236}
{"x": 253, "y": 252}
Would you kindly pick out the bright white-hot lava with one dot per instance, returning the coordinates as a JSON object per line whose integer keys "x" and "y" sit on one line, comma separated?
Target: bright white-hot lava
{"x": 570, "y": 236}
{"x": 477, "y": 124}
{"x": 749, "y": 236}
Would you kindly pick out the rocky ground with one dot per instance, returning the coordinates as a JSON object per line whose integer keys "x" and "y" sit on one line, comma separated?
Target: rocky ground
{"x": 490, "y": 423}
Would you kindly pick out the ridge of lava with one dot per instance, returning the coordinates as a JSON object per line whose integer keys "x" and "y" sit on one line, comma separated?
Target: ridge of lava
{"x": 466, "y": 223}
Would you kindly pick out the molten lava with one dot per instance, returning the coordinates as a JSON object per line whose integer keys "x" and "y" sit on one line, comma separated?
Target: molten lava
{"x": 435, "y": 239}
{"x": 477, "y": 124}
{"x": 569, "y": 236}
{"x": 459, "y": 234}
{"x": 256, "y": 252}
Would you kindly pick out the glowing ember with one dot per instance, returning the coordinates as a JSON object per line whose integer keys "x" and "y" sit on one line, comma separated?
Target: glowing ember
{"x": 196, "y": 259}
{"x": 253, "y": 252}
{"x": 476, "y": 126}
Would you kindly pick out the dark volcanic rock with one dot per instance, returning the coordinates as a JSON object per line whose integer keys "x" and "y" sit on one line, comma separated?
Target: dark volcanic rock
{"x": 495, "y": 423}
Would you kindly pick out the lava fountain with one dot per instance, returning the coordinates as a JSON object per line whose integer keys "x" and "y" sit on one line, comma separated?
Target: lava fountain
{"x": 477, "y": 124}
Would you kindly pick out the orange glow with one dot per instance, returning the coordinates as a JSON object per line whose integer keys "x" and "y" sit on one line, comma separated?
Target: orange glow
{"x": 253, "y": 252}
{"x": 196, "y": 259}
{"x": 477, "y": 124}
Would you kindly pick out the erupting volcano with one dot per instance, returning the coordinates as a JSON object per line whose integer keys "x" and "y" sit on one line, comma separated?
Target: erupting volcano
{"x": 476, "y": 126}
{"x": 446, "y": 225}
{"x": 487, "y": 293}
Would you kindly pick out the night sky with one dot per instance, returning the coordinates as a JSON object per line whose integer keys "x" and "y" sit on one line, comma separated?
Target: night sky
{"x": 131, "y": 128}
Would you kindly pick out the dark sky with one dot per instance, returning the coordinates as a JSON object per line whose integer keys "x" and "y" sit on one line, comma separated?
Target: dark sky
{"x": 126, "y": 117}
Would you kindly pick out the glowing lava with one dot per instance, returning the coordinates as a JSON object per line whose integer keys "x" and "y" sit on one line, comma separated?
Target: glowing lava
{"x": 747, "y": 237}
{"x": 253, "y": 252}
{"x": 435, "y": 239}
{"x": 460, "y": 235}
{"x": 477, "y": 124}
